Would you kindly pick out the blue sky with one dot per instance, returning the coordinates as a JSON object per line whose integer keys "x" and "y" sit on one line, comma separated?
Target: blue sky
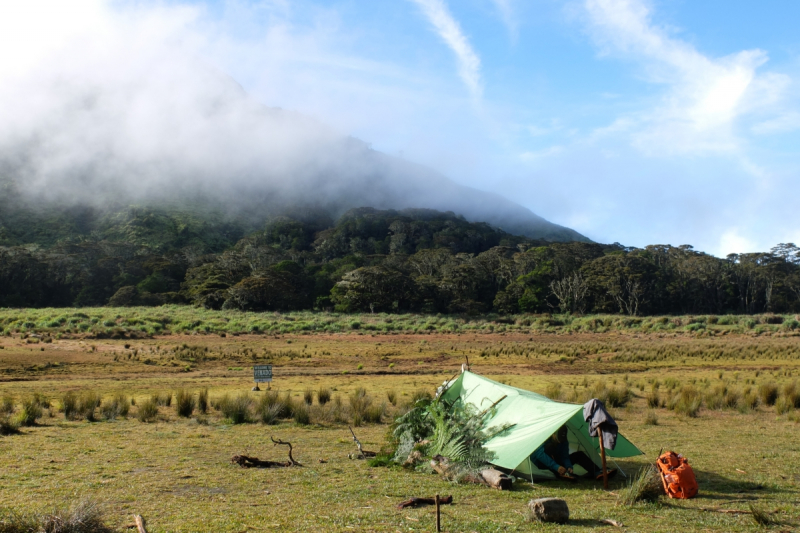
{"x": 638, "y": 121}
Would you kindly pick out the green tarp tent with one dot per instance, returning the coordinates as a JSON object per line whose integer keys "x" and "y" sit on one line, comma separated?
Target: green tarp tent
{"x": 531, "y": 418}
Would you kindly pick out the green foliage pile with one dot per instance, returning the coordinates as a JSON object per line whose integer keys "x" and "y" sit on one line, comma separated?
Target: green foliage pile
{"x": 434, "y": 427}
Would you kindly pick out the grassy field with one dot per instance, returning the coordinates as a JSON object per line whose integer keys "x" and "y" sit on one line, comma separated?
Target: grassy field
{"x": 717, "y": 389}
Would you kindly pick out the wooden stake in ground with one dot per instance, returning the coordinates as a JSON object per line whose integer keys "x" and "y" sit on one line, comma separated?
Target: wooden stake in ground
{"x": 603, "y": 457}
{"x": 438, "y": 515}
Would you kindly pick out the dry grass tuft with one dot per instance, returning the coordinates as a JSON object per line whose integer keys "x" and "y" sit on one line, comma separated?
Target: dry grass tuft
{"x": 147, "y": 410}
{"x": 645, "y": 487}
{"x": 84, "y": 517}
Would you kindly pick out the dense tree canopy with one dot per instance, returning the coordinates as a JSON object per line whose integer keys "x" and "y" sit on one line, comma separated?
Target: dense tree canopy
{"x": 371, "y": 260}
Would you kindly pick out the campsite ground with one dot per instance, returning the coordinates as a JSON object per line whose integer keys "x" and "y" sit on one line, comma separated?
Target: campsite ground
{"x": 176, "y": 471}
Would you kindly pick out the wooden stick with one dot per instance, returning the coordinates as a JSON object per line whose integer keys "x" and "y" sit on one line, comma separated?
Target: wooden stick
{"x": 139, "y": 523}
{"x": 438, "y": 516}
{"x": 492, "y": 406}
{"x": 603, "y": 457}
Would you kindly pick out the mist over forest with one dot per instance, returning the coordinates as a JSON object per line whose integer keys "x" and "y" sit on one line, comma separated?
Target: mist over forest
{"x": 135, "y": 173}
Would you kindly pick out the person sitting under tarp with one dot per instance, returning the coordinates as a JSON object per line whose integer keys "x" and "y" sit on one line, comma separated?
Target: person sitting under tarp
{"x": 554, "y": 455}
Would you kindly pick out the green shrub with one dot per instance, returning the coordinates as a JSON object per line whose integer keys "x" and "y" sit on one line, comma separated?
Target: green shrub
{"x": 184, "y": 403}
{"x": 237, "y": 409}
{"x": 323, "y": 395}
{"x": 115, "y": 407}
{"x": 768, "y": 393}
{"x": 147, "y": 410}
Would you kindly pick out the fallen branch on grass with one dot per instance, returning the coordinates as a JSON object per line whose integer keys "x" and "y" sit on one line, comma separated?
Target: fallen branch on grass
{"x": 610, "y": 522}
{"x": 416, "y": 502}
{"x": 362, "y": 453}
{"x": 246, "y": 461}
{"x": 139, "y": 521}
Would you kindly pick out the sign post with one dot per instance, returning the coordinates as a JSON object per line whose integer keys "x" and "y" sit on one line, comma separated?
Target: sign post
{"x": 262, "y": 374}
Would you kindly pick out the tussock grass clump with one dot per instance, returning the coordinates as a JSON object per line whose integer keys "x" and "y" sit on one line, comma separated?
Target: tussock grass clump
{"x": 791, "y": 393}
{"x": 308, "y": 396}
{"x": 84, "y": 517}
{"x": 323, "y": 395}
{"x": 374, "y": 413}
{"x": 69, "y": 405}
{"x": 115, "y": 407}
{"x": 760, "y": 516}
{"x": 202, "y": 401}
{"x": 614, "y": 396}
{"x": 184, "y": 403}
{"x": 651, "y": 419}
{"x": 237, "y": 409}
{"x": 30, "y": 412}
{"x": 553, "y": 391}
{"x": 7, "y": 405}
{"x": 644, "y": 487}
{"x": 83, "y": 406}
{"x": 272, "y": 407}
{"x": 749, "y": 401}
{"x": 391, "y": 395}
{"x": 163, "y": 400}
{"x": 301, "y": 414}
{"x": 653, "y": 399}
{"x": 359, "y": 404}
{"x": 147, "y": 410}
{"x": 768, "y": 393}
{"x": 686, "y": 402}
{"x": 8, "y": 426}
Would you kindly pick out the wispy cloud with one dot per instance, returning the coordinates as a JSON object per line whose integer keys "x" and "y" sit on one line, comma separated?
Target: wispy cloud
{"x": 507, "y": 13}
{"x": 469, "y": 64}
{"x": 706, "y": 95}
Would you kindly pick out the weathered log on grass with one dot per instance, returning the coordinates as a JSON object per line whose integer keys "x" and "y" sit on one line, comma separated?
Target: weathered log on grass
{"x": 416, "y": 502}
{"x": 496, "y": 479}
{"x": 549, "y": 510}
{"x": 488, "y": 476}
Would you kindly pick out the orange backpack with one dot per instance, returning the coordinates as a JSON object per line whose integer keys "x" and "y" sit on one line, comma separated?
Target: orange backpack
{"x": 676, "y": 475}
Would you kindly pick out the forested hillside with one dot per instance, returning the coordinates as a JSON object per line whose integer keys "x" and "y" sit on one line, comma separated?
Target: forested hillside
{"x": 368, "y": 260}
